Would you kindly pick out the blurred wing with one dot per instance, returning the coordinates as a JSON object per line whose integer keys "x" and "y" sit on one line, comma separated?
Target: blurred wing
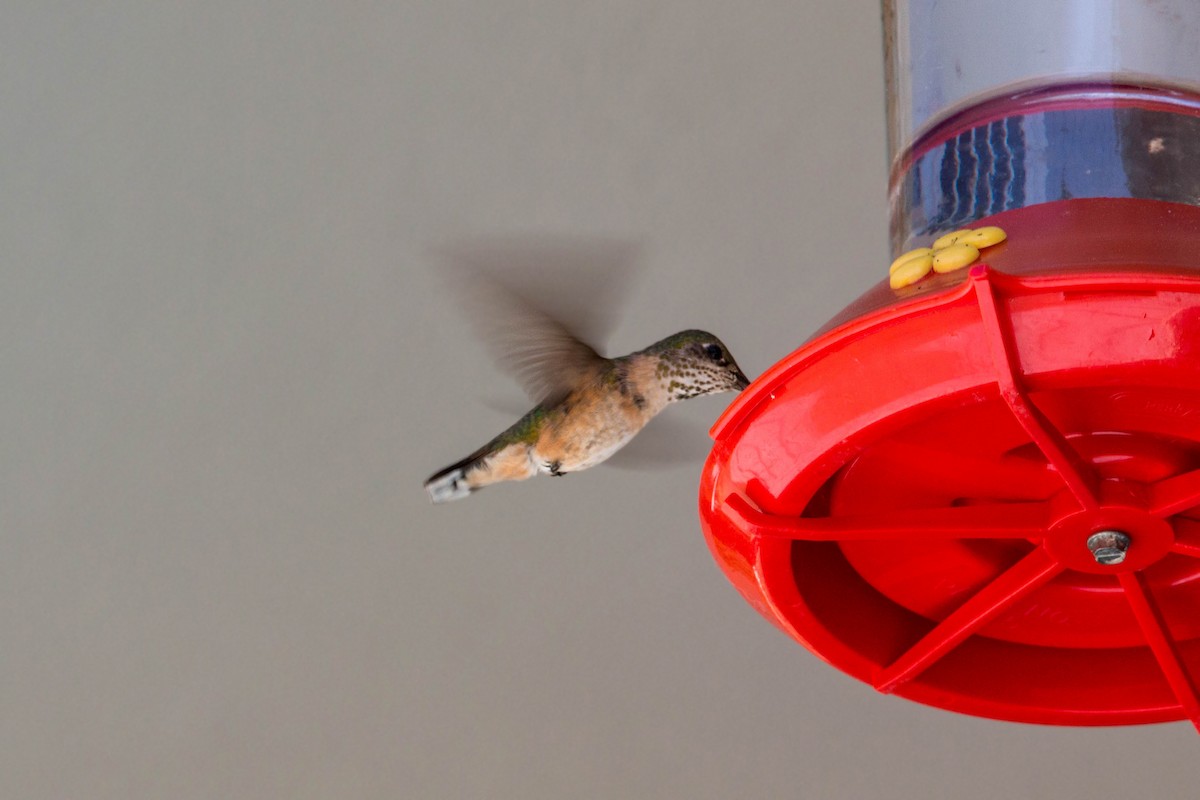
{"x": 545, "y": 358}
{"x": 516, "y": 294}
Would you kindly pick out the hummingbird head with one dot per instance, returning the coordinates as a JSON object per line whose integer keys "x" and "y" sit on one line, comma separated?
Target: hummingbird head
{"x": 694, "y": 363}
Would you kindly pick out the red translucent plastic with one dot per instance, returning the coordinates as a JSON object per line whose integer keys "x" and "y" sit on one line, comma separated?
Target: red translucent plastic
{"x": 910, "y": 494}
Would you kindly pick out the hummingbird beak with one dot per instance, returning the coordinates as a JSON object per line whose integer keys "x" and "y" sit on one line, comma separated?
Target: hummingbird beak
{"x": 742, "y": 380}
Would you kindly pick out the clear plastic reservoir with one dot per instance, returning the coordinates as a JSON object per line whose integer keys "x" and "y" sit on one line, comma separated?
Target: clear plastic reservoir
{"x": 997, "y": 106}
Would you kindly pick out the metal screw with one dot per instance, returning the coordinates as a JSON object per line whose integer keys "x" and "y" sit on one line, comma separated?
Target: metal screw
{"x": 1108, "y": 547}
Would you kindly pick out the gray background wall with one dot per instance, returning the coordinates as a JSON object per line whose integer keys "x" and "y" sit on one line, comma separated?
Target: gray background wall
{"x": 227, "y": 368}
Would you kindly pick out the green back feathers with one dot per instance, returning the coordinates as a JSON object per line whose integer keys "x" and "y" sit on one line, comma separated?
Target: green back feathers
{"x": 526, "y": 429}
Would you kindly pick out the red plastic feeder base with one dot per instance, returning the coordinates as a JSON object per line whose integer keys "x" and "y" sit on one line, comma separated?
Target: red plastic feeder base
{"x": 983, "y": 492}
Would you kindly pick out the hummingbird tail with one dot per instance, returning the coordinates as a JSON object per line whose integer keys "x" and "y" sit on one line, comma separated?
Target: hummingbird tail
{"x": 451, "y": 483}
{"x": 447, "y": 486}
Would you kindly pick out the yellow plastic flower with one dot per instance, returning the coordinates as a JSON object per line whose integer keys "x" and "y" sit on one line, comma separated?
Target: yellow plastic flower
{"x": 952, "y": 251}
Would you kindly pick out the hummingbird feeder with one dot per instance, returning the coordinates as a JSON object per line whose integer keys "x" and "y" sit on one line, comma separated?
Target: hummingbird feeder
{"x": 978, "y": 487}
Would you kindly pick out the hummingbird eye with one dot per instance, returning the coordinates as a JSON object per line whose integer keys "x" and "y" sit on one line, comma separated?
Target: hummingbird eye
{"x": 714, "y": 352}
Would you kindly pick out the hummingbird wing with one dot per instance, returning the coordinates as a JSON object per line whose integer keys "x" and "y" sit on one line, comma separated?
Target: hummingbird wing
{"x": 516, "y": 294}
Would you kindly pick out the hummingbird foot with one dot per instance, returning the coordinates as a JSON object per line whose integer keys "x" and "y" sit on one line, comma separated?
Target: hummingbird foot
{"x": 555, "y": 469}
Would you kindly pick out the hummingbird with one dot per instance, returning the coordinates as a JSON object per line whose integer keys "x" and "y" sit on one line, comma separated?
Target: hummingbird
{"x": 587, "y": 406}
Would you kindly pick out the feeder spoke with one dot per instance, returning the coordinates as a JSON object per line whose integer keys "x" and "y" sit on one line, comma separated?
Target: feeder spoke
{"x": 1187, "y": 538}
{"x": 1175, "y": 494}
{"x": 1028, "y": 574}
{"x": 996, "y": 521}
{"x": 1077, "y": 474}
{"x": 1158, "y": 637}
